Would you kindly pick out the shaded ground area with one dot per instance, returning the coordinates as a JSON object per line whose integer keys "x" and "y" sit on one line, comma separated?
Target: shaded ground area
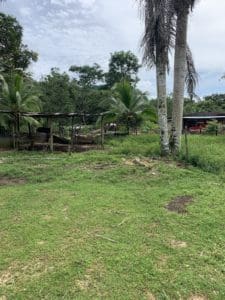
{"x": 11, "y": 181}
{"x": 179, "y": 204}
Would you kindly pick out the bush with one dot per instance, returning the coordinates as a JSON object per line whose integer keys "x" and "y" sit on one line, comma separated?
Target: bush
{"x": 149, "y": 126}
{"x": 212, "y": 127}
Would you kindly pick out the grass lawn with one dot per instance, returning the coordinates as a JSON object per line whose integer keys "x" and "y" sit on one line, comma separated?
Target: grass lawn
{"x": 95, "y": 226}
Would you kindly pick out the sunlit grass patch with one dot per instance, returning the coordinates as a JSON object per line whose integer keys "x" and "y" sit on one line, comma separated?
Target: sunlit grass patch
{"x": 96, "y": 226}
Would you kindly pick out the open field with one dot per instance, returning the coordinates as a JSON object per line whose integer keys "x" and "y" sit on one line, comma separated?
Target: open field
{"x": 113, "y": 224}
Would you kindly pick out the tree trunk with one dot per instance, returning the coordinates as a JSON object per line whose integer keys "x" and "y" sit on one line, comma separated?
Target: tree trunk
{"x": 180, "y": 67}
{"x": 162, "y": 106}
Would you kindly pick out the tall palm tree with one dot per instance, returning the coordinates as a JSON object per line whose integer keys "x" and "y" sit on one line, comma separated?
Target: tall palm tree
{"x": 182, "y": 9}
{"x": 157, "y": 40}
{"x": 128, "y": 104}
{"x": 15, "y": 99}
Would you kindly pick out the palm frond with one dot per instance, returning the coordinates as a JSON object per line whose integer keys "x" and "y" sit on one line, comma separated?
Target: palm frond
{"x": 14, "y": 100}
{"x": 191, "y": 79}
{"x": 159, "y": 31}
{"x": 31, "y": 121}
{"x": 182, "y": 5}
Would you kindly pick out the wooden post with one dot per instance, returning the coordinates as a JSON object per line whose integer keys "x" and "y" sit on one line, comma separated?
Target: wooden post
{"x": 31, "y": 137}
{"x": 71, "y": 137}
{"x": 102, "y": 131}
{"x": 18, "y": 130}
{"x": 186, "y": 146}
{"x": 14, "y": 135}
{"x": 51, "y": 141}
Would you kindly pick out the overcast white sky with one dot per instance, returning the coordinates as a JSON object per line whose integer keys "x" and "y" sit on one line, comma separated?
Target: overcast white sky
{"x": 66, "y": 32}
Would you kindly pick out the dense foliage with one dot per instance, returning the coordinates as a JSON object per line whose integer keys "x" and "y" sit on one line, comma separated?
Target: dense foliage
{"x": 210, "y": 103}
{"x": 13, "y": 53}
{"x": 87, "y": 89}
{"x": 122, "y": 66}
{"x": 128, "y": 105}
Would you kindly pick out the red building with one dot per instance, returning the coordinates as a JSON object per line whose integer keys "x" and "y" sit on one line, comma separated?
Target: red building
{"x": 196, "y": 122}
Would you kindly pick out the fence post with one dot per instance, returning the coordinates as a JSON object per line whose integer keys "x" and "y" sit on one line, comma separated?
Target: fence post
{"x": 102, "y": 131}
{"x": 71, "y": 137}
{"x": 17, "y": 130}
{"x": 186, "y": 145}
{"x": 51, "y": 141}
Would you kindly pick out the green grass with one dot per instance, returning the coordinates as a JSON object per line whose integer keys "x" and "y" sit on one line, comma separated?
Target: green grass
{"x": 146, "y": 145}
{"x": 207, "y": 152}
{"x": 94, "y": 226}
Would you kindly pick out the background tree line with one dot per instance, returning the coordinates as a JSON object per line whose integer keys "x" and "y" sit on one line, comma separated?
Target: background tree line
{"x": 83, "y": 89}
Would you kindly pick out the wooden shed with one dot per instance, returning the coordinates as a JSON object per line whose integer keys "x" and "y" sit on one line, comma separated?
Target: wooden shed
{"x": 196, "y": 122}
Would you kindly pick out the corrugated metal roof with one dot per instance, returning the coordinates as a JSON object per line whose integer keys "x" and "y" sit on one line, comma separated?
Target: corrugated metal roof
{"x": 206, "y": 114}
{"x": 203, "y": 117}
{"x": 59, "y": 114}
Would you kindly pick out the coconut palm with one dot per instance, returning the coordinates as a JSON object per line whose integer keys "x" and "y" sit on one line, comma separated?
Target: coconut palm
{"x": 182, "y": 9}
{"x": 159, "y": 37}
{"x": 15, "y": 100}
{"x": 128, "y": 104}
{"x": 157, "y": 40}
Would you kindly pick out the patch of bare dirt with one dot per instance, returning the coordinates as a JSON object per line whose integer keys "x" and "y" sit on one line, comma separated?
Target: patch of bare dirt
{"x": 197, "y": 297}
{"x": 6, "y": 278}
{"x": 152, "y": 230}
{"x": 17, "y": 272}
{"x": 162, "y": 261}
{"x": 150, "y": 296}
{"x": 91, "y": 277}
{"x": 137, "y": 161}
{"x": 179, "y": 204}
{"x": 41, "y": 243}
{"x": 11, "y": 181}
{"x": 178, "y": 244}
{"x": 84, "y": 284}
{"x": 47, "y": 217}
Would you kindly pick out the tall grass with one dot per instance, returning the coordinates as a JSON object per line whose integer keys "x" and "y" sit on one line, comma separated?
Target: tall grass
{"x": 144, "y": 145}
{"x": 205, "y": 152}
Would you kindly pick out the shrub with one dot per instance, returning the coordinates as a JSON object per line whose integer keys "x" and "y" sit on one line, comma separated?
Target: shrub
{"x": 212, "y": 127}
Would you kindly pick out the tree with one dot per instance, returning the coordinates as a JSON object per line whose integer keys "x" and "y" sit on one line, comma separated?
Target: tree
{"x": 128, "y": 103}
{"x": 182, "y": 9}
{"x": 15, "y": 99}
{"x": 13, "y": 53}
{"x": 122, "y": 66}
{"x": 160, "y": 30}
{"x": 55, "y": 92}
{"x": 89, "y": 91}
{"x": 61, "y": 94}
{"x": 159, "y": 19}
{"x": 213, "y": 103}
{"x": 88, "y": 76}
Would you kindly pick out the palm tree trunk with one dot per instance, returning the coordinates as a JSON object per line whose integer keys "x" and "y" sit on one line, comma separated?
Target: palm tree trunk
{"x": 162, "y": 106}
{"x": 180, "y": 67}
